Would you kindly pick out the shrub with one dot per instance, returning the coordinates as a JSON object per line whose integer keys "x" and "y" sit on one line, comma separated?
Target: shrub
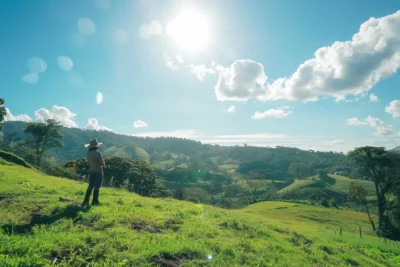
{"x": 324, "y": 203}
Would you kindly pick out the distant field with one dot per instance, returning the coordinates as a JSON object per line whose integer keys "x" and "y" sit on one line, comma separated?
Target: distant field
{"x": 127, "y": 151}
{"x": 341, "y": 184}
{"x": 163, "y": 165}
{"x": 229, "y": 167}
{"x": 311, "y": 218}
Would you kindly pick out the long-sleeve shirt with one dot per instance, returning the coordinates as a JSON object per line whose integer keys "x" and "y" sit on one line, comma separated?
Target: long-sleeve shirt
{"x": 95, "y": 160}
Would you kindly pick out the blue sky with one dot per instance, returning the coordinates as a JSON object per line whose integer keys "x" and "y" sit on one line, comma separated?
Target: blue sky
{"x": 177, "y": 68}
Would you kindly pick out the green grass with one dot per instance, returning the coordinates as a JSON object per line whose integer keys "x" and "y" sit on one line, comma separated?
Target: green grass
{"x": 164, "y": 165}
{"x": 141, "y": 153}
{"x": 297, "y": 185}
{"x": 41, "y": 223}
{"x": 230, "y": 168}
{"x": 341, "y": 184}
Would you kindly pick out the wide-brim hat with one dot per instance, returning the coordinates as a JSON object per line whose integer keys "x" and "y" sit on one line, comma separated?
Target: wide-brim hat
{"x": 93, "y": 143}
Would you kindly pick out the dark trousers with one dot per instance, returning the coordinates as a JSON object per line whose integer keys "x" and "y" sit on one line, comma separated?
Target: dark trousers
{"x": 95, "y": 179}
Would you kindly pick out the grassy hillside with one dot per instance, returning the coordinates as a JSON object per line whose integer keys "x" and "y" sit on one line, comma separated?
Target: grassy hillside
{"x": 41, "y": 224}
{"x": 339, "y": 184}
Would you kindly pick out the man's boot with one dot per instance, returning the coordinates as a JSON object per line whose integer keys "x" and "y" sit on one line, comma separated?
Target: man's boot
{"x": 95, "y": 200}
{"x": 87, "y": 198}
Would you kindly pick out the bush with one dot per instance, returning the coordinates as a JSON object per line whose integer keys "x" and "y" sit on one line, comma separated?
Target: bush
{"x": 14, "y": 159}
{"x": 324, "y": 203}
{"x": 196, "y": 195}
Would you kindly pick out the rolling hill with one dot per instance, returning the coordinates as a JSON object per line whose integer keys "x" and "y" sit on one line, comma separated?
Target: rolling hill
{"x": 339, "y": 184}
{"x": 166, "y": 153}
{"x": 40, "y": 224}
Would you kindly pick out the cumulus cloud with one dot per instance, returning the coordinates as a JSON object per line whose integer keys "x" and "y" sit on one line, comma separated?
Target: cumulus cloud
{"x": 61, "y": 114}
{"x": 279, "y": 113}
{"x": 11, "y": 117}
{"x": 93, "y": 124}
{"x": 243, "y": 80}
{"x": 345, "y": 68}
{"x": 140, "y": 124}
{"x": 394, "y": 108}
{"x": 373, "y": 98}
{"x": 381, "y": 129}
{"x": 231, "y": 109}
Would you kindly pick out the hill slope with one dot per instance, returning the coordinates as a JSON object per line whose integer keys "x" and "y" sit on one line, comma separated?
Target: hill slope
{"x": 166, "y": 153}
{"x": 336, "y": 185}
{"x": 41, "y": 224}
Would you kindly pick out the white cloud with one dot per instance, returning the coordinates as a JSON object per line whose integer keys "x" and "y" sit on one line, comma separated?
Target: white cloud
{"x": 345, "y": 68}
{"x": 381, "y": 129}
{"x": 189, "y": 134}
{"x": 231, "y": 109}
{"x": 65, "y": 63}
{"x": 279, "y": 113}
{"x": 258, "y": 136}
{"x": 179, "y": 58}
{"x": 354, "y": 121}
{"x": 201, "y": 71}
{"x": 393, "y": 108}
{"x": 93, "y": 124}
{"x": 61, "y": 114}
{"x": 243, "y": 80}
{"x": 140, "y": 124}
{"x": 338, "y": 142}
{"x": 99, "y": 98}
{"x": 373, "y": 98}
{"x": 11, "y": 117}
{"x": 170, "y": 62}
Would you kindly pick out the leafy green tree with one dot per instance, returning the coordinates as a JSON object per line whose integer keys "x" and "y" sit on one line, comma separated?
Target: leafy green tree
{"x": 357, "y": 195}
{"x": 142, "y": 177}
{"x": 196, "y": 194}
{"x": 3, "y": 112}
{"x": 46, "y": 135}
{"x": 272, "y": 193}
{"x": 383, "y": 168}
{"x": 297, "y": 170}
{"x": 254, "y": 186}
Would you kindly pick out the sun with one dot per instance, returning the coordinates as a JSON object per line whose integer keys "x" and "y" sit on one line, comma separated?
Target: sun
{"x": 189, "y": 30}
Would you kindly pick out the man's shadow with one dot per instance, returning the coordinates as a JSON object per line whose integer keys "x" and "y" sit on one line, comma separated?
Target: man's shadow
{"x": 69, "y": 212}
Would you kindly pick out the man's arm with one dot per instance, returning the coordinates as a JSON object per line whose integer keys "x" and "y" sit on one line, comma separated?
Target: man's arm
{"x": 102, "y": 160}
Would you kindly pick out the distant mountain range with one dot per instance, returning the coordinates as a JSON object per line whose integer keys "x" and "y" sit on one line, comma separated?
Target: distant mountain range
{"x": 168, "y": 153}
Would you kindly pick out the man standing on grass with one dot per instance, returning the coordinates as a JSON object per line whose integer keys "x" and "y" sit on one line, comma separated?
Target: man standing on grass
{"x": 96, "y": 164}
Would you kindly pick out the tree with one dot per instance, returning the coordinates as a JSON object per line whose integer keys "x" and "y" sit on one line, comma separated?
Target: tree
{"x": 46, "y": 135}
{"x": 383, "y": 168}
{"x": 142, "y": 177}
{"x": 3, "y": 112}
{"x": 357, "y": 195}
{"x": 297, "y": 169}
{"x": 254, "y": 186}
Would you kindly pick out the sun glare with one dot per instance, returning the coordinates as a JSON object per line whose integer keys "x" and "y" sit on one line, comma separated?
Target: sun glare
{"x": 189, "y": 30}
